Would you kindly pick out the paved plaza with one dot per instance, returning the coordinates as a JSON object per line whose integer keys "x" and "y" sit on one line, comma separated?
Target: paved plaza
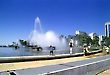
{"x": 106, "y": 72}
{"x": 36, "y": 67}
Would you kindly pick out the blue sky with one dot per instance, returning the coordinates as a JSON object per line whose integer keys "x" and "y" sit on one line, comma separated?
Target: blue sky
{"x": 61, "y": 16}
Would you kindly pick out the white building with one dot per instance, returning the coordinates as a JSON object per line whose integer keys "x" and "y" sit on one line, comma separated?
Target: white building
{"x": 79, "y": 32}
{"x": 107, "y": 29}
{"x": 100, "y": 39}
{"x": 92, "y": 35}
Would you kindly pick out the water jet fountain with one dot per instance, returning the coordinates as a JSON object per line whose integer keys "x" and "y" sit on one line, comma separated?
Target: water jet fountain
{"x": 44, "y": 39}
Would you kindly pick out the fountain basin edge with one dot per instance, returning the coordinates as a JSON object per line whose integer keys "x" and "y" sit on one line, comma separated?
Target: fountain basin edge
{"x": 44, "y": 57}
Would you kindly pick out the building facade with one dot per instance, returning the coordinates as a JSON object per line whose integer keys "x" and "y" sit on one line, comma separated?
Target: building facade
{"x": 107, "y": 29}
{"x": 92, "y": 35}
{"x": 101, "y": 39}
{"x": 80, "y": 32}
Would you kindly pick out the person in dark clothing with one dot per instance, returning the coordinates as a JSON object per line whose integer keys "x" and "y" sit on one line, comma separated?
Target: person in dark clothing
{"x": 85, "y": 50}
{"x": 12, "y": 73}
{"x": 51, "y": 48}
{"x": 51, "y": 52}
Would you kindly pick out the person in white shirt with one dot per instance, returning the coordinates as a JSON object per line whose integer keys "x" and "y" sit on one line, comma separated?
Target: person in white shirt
{"x": 71, "y": 46}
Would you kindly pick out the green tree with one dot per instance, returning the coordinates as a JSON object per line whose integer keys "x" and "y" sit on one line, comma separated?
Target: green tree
{"x": 84, "y": 39}
{"x": 106, "y": 41}
{"x": 24, "y": 42}
{"x": 95, "y": 41}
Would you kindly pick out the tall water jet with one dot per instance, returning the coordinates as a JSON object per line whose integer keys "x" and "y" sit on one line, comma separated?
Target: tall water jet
{"x": 37, "y": 37}
{"x": 37, "y": 25}
{"x": 33, "y": 37}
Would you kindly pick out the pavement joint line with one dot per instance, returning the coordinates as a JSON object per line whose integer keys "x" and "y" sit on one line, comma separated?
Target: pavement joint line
{"x": 66, "y": 65}
{"x": 77, "y": 66}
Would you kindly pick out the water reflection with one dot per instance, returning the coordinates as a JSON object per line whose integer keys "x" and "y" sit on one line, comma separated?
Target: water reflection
{"x": 9, "y": 52}
{"x": 23, "y": 51}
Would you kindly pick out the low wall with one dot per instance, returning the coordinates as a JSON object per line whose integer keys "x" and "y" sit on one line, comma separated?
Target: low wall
{"x": 44, "y": 57}
{"x": 87, "y": 69}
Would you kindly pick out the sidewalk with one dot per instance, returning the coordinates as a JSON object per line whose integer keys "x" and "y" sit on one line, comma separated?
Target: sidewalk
{"x": 41, "y": 63}
{"x": 106, "y": 72}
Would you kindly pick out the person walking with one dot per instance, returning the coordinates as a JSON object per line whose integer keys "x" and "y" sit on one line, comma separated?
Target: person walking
{"x": 71, "y": 46}
{"x": 51, "y": 48}
{"x": 85, "y": 50}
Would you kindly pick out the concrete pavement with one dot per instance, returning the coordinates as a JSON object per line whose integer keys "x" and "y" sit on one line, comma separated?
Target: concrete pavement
{"x": 54, "y": 67}
{"x": 106, "y": 72}
{"x": 40, "y": 63}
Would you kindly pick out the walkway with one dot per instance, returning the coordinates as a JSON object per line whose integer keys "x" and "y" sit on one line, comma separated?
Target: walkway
{"x": 106, "y": 72}
{"x": 49, "y": 65}
{"x": 41, "y": 63}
